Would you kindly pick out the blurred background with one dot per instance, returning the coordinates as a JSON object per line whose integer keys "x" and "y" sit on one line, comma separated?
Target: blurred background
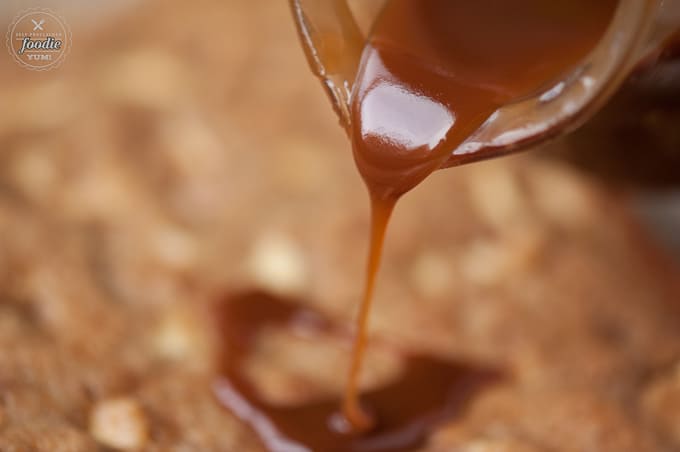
{"x": 183, "y": 150}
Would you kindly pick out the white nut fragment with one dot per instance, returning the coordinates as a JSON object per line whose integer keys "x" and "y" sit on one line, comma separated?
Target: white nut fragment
{"x": 179, "y": 336}
{"x": 173, "y": 340}
{"x": 119, "y": 423}
{"x": 498, "y": 445}
{"x": 456, "y": 438}
{"x": 276, "y": 262}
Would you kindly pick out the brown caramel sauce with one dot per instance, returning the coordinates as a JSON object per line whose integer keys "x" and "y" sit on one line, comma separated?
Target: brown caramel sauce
{"x": 431, "y": 73}
{"x": 429, "y": 390}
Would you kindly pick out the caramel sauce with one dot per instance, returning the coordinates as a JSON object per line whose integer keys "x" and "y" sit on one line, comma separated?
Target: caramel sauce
{"x": 431, "y": 73}
{"x": 434, "y": 70}
{"x": 428, "y": 391}
{"x": 381, "y": 210}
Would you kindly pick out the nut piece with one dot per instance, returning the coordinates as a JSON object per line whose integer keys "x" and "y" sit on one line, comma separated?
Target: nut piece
{"x": 498, "y": 445}
{"x": 119, "y": 423}
{"x": 179, "y": 336}
{"x": 277, "y": 263}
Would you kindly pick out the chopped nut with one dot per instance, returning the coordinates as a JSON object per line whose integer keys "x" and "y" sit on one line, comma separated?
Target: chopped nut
{"x": 276, "y": 262}
{"x": 119, "y": 423}
{"x": 179, "y": 337}
{"x": 458, "y": 439}
{"x": 173, "y": 340}
{"x": 497, "y": 445}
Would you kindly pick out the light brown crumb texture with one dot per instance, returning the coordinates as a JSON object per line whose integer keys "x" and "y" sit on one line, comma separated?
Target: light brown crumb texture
{"x": 186, "y": 149}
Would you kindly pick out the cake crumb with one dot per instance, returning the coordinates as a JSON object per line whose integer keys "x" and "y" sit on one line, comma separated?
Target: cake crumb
{"x": 119, "y": 423}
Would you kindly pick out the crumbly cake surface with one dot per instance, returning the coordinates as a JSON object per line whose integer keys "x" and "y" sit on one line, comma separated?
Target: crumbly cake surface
{"x": 184, "y": 150}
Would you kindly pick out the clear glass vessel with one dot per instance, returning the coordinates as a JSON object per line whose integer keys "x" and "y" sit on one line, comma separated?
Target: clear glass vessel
{"x": 636, "y": 65}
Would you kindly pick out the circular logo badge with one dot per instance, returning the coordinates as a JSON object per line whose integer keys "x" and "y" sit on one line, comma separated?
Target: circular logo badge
{"x": 38, "y": 39}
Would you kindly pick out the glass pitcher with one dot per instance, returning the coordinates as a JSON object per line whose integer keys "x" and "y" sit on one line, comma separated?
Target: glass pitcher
{"x": 636, "y": 64}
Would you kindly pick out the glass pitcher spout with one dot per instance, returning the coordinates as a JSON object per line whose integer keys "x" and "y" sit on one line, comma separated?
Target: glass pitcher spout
{"x": 333, "y": 43}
